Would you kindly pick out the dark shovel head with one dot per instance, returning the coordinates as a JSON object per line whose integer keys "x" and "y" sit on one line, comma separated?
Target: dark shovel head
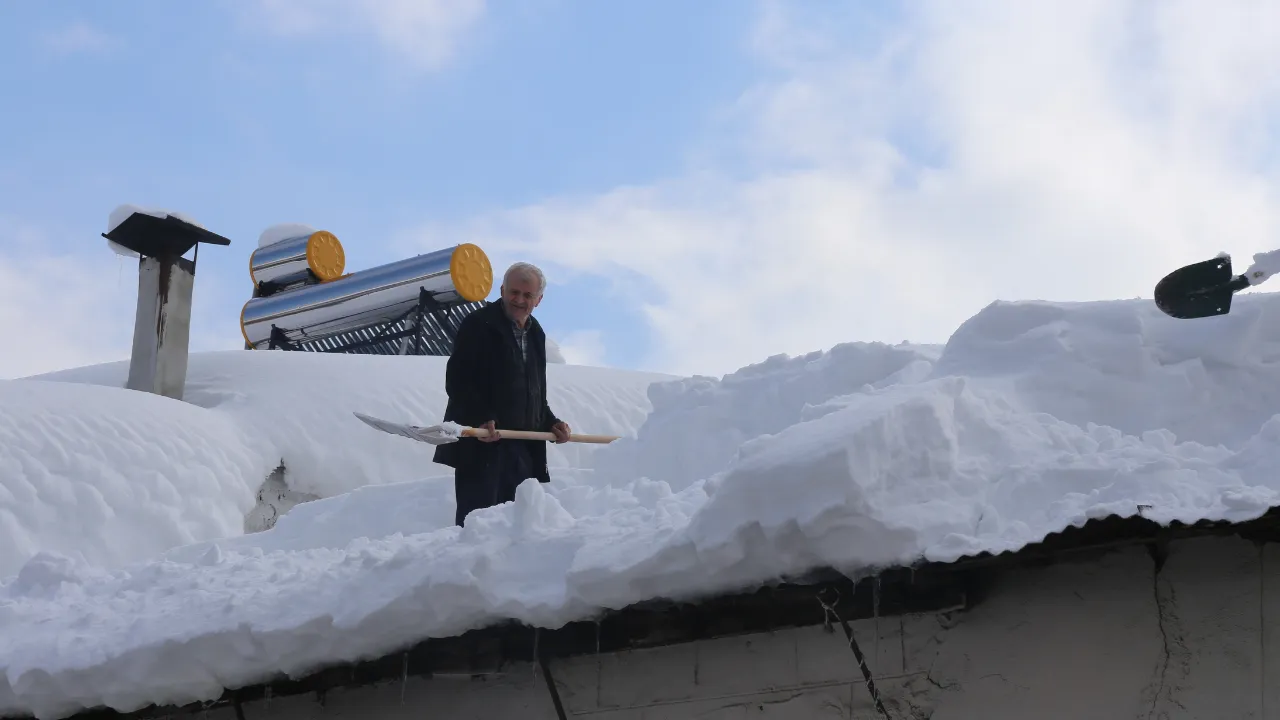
{"x": 1200, "y": 290}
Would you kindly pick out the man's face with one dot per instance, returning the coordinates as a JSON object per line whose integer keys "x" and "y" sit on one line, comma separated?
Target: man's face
{"x": 520, "y": 296}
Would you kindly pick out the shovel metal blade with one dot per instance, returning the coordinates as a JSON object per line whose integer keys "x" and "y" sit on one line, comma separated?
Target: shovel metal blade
{"x": 432, "y": 434}
{"x": 1199, "y": 290}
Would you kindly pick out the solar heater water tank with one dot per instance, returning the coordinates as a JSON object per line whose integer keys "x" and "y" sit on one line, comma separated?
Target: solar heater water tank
{"x": 289, "y": 261}
{"x": 380, "y": 294}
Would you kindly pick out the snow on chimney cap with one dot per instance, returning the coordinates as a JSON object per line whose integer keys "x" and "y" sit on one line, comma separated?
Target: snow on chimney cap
{"x": 153, "y": 236}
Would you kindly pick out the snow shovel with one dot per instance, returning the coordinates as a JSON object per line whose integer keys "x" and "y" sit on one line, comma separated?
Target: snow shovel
{"x": 451, "y": 432}
{"x": 1205, "y": 289}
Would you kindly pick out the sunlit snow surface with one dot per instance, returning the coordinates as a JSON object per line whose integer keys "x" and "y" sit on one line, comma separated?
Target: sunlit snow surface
{"x": 1034, "y": 417}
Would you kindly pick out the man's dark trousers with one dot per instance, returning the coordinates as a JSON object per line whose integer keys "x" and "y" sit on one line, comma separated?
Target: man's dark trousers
{"x": 495, "y": 481}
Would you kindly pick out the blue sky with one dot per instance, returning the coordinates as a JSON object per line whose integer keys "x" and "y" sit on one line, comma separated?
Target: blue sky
{"x": 707, "y": 183}
{"x": 189, "y": 106}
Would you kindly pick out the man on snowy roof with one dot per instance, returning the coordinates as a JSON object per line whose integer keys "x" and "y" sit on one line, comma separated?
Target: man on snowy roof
{"x": 497, "y": 378}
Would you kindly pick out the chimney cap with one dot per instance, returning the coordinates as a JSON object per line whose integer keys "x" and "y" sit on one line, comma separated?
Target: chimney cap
{"x": 152, "y": 236}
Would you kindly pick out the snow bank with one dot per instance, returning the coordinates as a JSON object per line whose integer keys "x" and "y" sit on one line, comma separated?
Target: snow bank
{"x": 111, "y": 476}
{"x": 698, "y": 424}
{"x": 1127, "y": 366}
{"x": 302, "y": 404}
{"x": 1034, "y": 417}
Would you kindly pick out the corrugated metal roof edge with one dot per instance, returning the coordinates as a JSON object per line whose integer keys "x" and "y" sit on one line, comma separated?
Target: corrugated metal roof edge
{"x": 793, "y": 602}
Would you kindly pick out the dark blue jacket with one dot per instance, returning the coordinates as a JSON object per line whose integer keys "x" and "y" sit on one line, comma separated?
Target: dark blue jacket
{"x": 486, "y": 379}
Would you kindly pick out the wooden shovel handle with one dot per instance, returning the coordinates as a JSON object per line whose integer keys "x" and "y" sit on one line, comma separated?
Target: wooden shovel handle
{"x": 536, "y": 435}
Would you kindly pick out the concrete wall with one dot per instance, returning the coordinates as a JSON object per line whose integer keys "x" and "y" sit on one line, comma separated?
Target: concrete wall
{"x": 1103, "y": 639}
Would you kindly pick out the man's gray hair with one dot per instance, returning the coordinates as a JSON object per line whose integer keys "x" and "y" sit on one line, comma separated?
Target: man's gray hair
{"x": 527, "y": 270}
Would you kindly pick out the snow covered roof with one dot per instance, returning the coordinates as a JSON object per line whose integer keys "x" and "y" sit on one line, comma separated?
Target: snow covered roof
{"x": 1036, "y": 417}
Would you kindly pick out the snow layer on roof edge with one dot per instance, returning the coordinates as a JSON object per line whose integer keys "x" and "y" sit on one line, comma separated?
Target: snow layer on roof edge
{"x": 1035, "y": 417}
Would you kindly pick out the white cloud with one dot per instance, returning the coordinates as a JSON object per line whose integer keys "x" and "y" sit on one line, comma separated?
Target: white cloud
{"x": 58, "y": 312}
{"x": 424, "y": 32}
{"x": 79, "y": 37}
{"x": 898, "y": 182}
{"x": 62, "y": 310}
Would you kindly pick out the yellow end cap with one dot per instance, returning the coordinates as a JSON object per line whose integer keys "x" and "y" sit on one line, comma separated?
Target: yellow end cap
{"x": 325, "y": 256}
{"x": 471, "y": 272}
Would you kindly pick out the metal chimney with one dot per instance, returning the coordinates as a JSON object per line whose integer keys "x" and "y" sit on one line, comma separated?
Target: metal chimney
{"x": 162, "y": 326}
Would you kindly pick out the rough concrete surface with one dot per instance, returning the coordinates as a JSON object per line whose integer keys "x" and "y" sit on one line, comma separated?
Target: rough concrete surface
{"x": 1184, "y": 633}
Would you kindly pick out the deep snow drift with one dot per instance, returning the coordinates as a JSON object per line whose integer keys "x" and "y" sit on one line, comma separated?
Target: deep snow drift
{"x": 112, "y": 475}
{"x": 117, "y": 476}
{"x": 1034, "y": 417}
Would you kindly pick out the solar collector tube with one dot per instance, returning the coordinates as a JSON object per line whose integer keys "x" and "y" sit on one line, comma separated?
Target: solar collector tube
{"x": 369, "y": 297}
